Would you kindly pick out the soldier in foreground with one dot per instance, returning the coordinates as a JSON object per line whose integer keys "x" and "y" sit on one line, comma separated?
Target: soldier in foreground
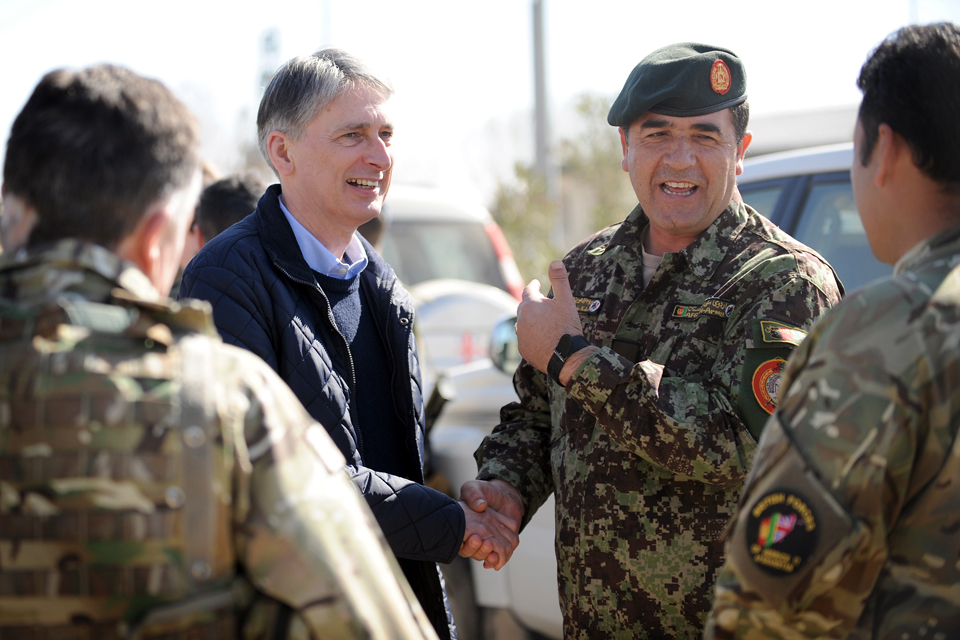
{"x": 848, "y": 525}
{"x": 154, "y": 483}
{"x": 649, "y": 375}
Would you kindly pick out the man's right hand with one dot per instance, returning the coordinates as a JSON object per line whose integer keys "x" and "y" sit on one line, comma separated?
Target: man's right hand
{"x": 505, "y": 505}
{"x": 490, "y": 536}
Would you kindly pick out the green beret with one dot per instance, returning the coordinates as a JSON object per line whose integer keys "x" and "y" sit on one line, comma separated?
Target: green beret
{"x": 685, "y": 79}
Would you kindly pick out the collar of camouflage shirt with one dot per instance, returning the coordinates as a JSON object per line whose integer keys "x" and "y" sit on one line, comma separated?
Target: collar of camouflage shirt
{"x": 704, "y": 255}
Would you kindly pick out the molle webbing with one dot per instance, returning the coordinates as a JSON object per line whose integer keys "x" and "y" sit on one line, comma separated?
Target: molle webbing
{"x": 197, "y": 423}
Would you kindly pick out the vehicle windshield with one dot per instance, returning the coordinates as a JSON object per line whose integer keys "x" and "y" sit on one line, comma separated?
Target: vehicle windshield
{"x": 426, "y": 250}
{"x": 826, "y": 221}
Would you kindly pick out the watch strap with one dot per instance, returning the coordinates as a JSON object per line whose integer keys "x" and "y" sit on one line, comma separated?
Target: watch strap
{"x": 568, "y": 345}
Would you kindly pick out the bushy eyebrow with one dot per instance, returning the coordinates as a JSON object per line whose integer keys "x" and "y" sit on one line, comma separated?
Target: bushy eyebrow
{"x": 706, "y": 127}
{"x": 655, "y": 123}
{"x": 364, "y": 125}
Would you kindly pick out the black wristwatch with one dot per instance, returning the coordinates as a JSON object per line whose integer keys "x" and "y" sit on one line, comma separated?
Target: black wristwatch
{"x": 569, "y": 344}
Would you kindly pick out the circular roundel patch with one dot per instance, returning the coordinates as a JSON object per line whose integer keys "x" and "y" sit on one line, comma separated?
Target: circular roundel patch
{"x": 720, "y": 77}
{"x": 766, "y": 383}
{"x": 594, "y": 306}
{"x": 781, "y": 532}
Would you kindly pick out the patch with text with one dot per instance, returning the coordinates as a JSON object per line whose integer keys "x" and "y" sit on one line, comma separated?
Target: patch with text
{"x": 712, "y": 307}
{"x": 587, "y": 305}
{"x": 766, "y": 383}
{"x": 781, "y": 532}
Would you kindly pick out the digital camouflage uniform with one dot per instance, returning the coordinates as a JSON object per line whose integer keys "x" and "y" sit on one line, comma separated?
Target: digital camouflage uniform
{"x": 647, "y": 446}
{"x": 850, "y": 521}
{"x": 156, "y": 483}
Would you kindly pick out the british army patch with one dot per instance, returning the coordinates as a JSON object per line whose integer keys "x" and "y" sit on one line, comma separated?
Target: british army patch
{"x": 781, "y": 532}
{"x": 766, "y": 383}
{"x": 720, "y": 77}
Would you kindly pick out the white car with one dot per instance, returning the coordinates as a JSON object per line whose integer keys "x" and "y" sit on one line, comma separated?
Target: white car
{"x": 808, "y": 194}
{"x": 453, "y": 259}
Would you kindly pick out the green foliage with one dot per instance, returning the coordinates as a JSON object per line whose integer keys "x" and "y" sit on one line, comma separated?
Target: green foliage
{"x": 526, "y": 215}
{"x": 592, "y": 160}
{"x": 595, "y": 194}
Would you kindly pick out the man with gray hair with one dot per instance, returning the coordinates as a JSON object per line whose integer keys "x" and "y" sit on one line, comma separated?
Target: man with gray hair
{"x": 154, "y": 482}
{"x": 295, "y": 284}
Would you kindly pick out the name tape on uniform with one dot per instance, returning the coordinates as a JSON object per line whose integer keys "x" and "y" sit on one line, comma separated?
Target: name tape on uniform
{"x": 712, "y": 307}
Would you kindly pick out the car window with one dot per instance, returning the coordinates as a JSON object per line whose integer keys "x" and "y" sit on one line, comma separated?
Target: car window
{"x": 829, "y": 223}
{"x": 422, "y": 250}
{"x": 763, "y": 199}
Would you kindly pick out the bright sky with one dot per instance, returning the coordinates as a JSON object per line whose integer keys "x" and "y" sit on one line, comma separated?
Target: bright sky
{"x": 462, "y": 71}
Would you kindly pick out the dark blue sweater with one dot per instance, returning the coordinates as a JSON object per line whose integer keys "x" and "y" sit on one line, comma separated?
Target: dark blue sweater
{"x": 266, "y": 299}
{"x": 372, "y": 404}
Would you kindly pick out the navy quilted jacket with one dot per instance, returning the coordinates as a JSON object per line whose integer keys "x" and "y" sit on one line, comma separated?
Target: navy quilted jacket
{"x": 266, "y": 299}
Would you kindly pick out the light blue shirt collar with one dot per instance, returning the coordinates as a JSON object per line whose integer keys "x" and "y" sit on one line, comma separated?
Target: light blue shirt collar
{"x": 320, "y": 259}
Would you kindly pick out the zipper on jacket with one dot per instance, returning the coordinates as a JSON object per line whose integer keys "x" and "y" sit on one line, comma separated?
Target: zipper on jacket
{"x": 346, "y": 346}
{"x": 393, "y": 374}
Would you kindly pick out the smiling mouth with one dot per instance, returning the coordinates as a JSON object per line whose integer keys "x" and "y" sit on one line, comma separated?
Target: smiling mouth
{"x": 678, "y": 188}
{"x": 364, "y": 184}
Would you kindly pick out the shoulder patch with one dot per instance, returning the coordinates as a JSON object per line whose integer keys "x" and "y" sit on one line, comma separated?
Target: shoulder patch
{"x": 588, "y": 305}
{"x": 712, "y": 307}
{"x": 781, "y": 532}
{"x": 766, "y": 383}
{"x": 772, "y": 332}
{"x": 789, "y": 530}
{"x": 769, "y": 348}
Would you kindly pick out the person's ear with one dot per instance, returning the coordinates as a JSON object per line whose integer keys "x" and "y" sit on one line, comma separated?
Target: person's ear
{"x": 17, "y": 223}
{"x": 623, "y": 145}
{"x": 887, "y": 153}
{"x": 279, "y": 148}
{"x": 742, "y": 150}
{"x": 143, "y": 246}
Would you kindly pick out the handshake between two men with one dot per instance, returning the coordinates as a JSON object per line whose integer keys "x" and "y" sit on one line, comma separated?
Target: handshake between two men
{"x": 494, "y": 508}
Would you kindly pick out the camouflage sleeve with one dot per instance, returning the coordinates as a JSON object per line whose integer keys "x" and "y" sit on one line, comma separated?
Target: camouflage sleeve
{"x": 688, "y": 421}
{"x": 831, "y": 477}
{"x": 305, "y": 535}
{"x": 518, "y": 450}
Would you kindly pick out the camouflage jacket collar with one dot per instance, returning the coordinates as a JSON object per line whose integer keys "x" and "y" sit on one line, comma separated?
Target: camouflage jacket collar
{"x": 702, "y": 256}
{"x": 938, "y": 246}
{"x": 77, "y": 256}
{"x": 93, "y": 285}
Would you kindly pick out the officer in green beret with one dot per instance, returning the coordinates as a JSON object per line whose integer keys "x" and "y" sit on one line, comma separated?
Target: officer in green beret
{"x": 648, "y": 375}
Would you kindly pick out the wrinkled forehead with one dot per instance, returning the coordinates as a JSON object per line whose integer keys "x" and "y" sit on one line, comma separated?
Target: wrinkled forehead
{"x": 358, "y": 102}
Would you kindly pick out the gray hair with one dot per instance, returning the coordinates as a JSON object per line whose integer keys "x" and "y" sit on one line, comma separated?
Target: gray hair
{"x": 305, "y": 85}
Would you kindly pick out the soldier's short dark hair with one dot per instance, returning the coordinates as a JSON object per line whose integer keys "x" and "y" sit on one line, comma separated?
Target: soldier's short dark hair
{"x": 226, "y": 202}
{"x": 911, "y": 82}
{"x": 741, "y": 117}
{"x": 92, "y": 150}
